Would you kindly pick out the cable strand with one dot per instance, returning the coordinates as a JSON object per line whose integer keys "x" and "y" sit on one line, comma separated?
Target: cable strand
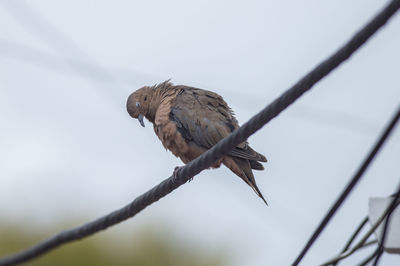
{"x": 208, "y": 158}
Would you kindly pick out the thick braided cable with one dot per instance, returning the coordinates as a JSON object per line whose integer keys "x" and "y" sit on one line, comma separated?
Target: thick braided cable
{"x": 292, "y": 94}
{"x": 184, "y": 173}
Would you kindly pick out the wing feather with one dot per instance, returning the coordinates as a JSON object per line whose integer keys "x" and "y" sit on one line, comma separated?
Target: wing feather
{"x": 205, "y": 118}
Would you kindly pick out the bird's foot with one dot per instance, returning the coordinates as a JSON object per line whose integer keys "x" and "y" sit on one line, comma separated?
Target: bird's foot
{"x": 177, "y": 168}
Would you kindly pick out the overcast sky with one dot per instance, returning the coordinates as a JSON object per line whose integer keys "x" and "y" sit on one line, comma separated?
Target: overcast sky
{"x": 69, "y": 150}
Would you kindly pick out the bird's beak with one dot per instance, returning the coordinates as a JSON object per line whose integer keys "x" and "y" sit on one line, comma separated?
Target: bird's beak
{"x": 140, "y": 118}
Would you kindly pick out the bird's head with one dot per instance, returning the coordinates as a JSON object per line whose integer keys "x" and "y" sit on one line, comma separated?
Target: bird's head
{"x": 138, "y": 103}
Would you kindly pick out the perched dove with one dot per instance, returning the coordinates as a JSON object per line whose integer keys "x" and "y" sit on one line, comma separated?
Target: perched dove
{"x": 189, "y": 121}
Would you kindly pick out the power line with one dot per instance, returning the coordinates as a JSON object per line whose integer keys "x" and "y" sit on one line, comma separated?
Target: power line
{"x": 59, "y": 42}
{"x": 346, "y": 192}
{"x": 36, "y": 57}
{"x": 183, "y": 174}
{"x": 370, "y": 257}
{"x": 363, "y": 242}
{"x": 354, "y": 235}
{"x": 395, "y": 202}
{"x": 84, "y": 69}
{"x": 87, "y": 68}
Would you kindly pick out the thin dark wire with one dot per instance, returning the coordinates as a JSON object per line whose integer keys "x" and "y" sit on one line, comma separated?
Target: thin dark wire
{"x": 208, "y": 158}
{"x": 349, "y": 186}
{"x": 363, "y": 241}
{"x": 85, "y": 69}
{"x": 59, "y": 42}
{"x": 353, "y": 236}
{"x": 379, "y": 252}
{"x": 356, "y": 232}
{"x": 380, "y": 19}
{"x": 339, "y": 258}
{"x": 393, "y": 206}
{"x": 371, "y": 257}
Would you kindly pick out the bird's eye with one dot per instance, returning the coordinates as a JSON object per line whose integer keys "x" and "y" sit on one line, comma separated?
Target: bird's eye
{"x": 145, "y": 98}
{"x": 137, "y": 104}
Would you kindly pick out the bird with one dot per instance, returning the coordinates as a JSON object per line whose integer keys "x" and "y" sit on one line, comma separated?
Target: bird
{"x": 189, "y": 121}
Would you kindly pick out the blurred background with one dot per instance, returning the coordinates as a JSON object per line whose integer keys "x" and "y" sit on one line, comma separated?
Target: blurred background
{"x": 69, "y": 152}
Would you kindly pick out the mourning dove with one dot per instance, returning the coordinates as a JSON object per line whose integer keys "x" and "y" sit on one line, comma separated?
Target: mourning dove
{"x": 189, "y": 121}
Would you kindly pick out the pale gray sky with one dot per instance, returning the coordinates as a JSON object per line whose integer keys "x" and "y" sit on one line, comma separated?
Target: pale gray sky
{"x": 70, "y": 150}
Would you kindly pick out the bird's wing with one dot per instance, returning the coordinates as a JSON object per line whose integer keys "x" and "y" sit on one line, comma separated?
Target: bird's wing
{"x": 204, "y": 117}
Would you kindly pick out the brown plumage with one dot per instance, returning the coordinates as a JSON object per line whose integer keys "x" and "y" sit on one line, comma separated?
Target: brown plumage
{"x": 189, "y": 121}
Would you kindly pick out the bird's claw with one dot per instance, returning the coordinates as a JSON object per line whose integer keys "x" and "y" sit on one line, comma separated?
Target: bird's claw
{"x": 177, "y": 168}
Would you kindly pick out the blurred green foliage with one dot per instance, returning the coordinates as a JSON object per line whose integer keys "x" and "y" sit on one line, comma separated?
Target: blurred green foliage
{"x": 146, "y": 248}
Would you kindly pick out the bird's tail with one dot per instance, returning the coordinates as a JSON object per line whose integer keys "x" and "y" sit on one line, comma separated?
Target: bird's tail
{"x": 247, "y": 175}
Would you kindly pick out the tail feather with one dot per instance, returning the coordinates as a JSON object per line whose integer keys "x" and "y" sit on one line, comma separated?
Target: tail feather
{"x": 261, "y": 158}
{"x": 256, "y": 165}
{"x": 247, "y": 175}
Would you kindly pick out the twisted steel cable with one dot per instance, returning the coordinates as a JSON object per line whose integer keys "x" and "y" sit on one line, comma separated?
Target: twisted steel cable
{"x": 183, "y": 174}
